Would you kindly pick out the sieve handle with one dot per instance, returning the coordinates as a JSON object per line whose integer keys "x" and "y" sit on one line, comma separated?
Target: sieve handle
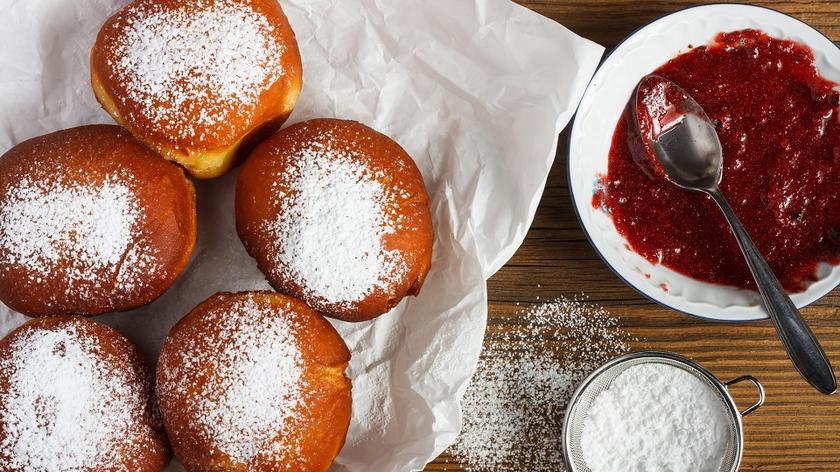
{"x": 758, "y": 387}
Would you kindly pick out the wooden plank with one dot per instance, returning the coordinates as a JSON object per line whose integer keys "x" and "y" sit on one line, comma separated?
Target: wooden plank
{"x": 797, "y": 429}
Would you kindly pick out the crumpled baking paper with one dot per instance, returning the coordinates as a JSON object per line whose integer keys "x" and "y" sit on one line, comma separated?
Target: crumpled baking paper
{"x": 475, "y": 90}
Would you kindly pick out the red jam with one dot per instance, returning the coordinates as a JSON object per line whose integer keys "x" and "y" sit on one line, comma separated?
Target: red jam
{"x": 779, "y": 124}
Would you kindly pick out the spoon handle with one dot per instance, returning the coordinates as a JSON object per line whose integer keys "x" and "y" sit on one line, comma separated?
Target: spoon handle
{"x": 799, "y": 341}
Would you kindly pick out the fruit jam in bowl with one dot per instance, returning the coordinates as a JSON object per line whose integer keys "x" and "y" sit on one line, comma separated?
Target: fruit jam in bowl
{"x": 768, "y": 82}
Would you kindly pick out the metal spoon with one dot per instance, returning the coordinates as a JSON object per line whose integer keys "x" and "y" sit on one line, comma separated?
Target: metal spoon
{"x": 677, "y": 131}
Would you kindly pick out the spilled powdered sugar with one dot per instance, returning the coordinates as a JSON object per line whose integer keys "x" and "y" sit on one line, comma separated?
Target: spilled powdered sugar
{"x": 83, "y": 231}
{"x": 255, "y": 389}
{"x": 66, "y": 409}
{"x": 198, "y": 64}
{"x": 329, "y": 237}
{"x": 514, "y": 407}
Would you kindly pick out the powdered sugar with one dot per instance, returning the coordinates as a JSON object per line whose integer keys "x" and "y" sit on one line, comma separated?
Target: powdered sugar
{"x": 255, "y": 388}
{"x": 514, "y": 407}
{"x": 82, "y": 231}
{"x": 655, "y": 417}
{"x": 331, "y": 225}
{"x": 66, "y": 408}
{"x": 197, "y": 65}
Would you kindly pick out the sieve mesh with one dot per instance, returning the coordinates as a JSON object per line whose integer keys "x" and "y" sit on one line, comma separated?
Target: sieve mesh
{"x": 579, "y": 408}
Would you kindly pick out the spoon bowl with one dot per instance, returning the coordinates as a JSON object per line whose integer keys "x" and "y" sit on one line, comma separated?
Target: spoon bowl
{"x": 677, "y": 132}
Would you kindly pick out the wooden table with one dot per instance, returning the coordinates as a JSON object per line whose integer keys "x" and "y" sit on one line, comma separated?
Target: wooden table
{"x": 797, "y": 430}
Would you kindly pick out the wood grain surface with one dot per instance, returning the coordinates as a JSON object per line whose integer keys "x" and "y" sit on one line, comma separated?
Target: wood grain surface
{"x": 797, "y": 429}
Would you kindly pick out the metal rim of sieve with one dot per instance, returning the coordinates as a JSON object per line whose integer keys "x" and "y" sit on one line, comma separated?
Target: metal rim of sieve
{"x": 574, "y": 416}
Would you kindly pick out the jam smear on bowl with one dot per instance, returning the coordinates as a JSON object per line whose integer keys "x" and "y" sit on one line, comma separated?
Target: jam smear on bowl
{"x": 778, "y": 121}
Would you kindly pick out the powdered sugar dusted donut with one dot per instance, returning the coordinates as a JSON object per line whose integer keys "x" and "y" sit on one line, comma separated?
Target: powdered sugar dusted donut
{"x": 254, "y": 382}
{"x": 198, "y": 79}
{"x": 337, "y": 215}
{"x": 76, "y": 396}
{"x": 91, "y": 221}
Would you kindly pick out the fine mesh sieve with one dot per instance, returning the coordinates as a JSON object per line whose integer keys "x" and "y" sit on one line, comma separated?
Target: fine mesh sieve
{"x": 602, "y": 378}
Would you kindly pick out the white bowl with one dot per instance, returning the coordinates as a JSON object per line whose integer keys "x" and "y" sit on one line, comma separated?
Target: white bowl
{"x": 591, "y": 137}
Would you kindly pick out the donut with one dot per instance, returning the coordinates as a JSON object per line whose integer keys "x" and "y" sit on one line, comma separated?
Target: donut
{"x": 254, "y": 382}
{"x": 91, "y": 221}
{"x": 199, "y": 81}
{"x": 337, "y": 215}
{"x": 76, "y": 395}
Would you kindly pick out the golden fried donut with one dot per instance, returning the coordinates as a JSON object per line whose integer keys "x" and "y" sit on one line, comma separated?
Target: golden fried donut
{"x": 337, "y": 215}
{"x": 76, "y": 395}
{"x": 254, "y": 382}
{"x": 197, "y": 80}
{"x": 91, "y": 221}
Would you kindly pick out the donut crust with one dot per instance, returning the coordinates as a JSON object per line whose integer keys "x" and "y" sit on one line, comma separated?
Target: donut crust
{"x": 320, "y": 428}
{"x": 413, "y": 239}
{"x": 85, "y": 156}
{"x": 121, "y": 355}
{"x": 223, "y": 145}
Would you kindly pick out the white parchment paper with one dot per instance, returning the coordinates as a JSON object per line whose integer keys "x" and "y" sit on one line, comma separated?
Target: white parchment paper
{"x": 475, "y": 90}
